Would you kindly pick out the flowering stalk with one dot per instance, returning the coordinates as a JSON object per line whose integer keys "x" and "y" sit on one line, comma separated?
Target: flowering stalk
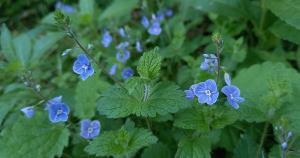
{"x": 219, "y": 44}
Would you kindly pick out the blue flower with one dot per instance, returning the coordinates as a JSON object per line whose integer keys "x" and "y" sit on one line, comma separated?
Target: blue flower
{"x": 159, "y": 16}
{"x": 123, "y": 56}
{"x": 83, "y": 67}
{"x": 169, "y": 12}
{"x": 89, "y": 129}
{"x": 154, "y": 29}
{"x": 122, "y": 45}
{"x": 233, "y": 95}
{"x": 113, "y": 70}
{"x": 29, "y": 111}
{"x": 210, "y": 63}
{"x": 64, "y": 7}
{"x": 206, "y": 92}
{"x": 145, "y": 22}
{"x": 106, "y": 39}
{"x": 227, "y": 79}
{"x": 127, "y": 73}
{"x": 138, "y": 46}
{"x": 57, "y": 110}
{"x": 189, "y": 94}
{"x": 122, "y": 32}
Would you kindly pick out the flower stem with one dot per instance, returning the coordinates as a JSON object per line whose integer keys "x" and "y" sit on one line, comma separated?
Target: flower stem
{"x": 262, "y": 139}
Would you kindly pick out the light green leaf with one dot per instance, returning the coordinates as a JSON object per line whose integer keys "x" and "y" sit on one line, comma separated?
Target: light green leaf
{"x": 45, "y": 43}
{"x": 87, "y": 93}
{"x": 124, "y": 142}
{"x": 118, "y": 9}
{"x": 142, "y": 99}
{"x": 86, "y": 10}
{"x": 286, "y": 10}
{"x": 6, "y": 44}
{"x": 246, "y": 148}
{"x": 285, "y": 31}
{"x": 35, "y": 137}
{"x": 158, "y": 150}
{"x": 149, "y": 64}
{"x": 23, "y": 48}
{"x": 194, "y": 147}
{"x": 204, "y": 118}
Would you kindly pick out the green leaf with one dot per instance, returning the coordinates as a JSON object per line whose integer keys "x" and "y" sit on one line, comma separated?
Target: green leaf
{"x": 246, "y": 148}
{"x": 86, "y": 10}
{"x": 286, "y": 10}
{"x": 142, "y": 99}
{"x": 119, "y": 9}
{"x": 158, "y": 150}
{"x": 285, "y": 31}
{"x": 87, "y": 93}
{"x": 7, "y": 102}
{"x": 123, "y": 142}
{"x": 149, "y": 64}
{"x": 23, "y": 48}
{"x": 194, "y": 147}
{"x": 35, "y": 137}
{"x": 204, "y": 118}
{"x": 45, "y": 43}
{"x": 273, "y": 86}
{"x": 6, "y": 43}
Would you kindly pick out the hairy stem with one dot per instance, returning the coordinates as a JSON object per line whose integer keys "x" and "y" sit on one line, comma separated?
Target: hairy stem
{"x": 262, "y": 139}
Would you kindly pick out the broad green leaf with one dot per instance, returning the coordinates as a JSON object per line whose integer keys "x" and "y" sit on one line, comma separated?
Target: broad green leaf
{"x": 142, "y": 99}
{"x": 123, "y": 142}
{"x": 246, "y": 148}
{"x": 204, "y": 118}
{"x": 86, "y": 10}
{"x": 194, "y": 147}
{"x": 44, "y": 44}
{"x": 118, "y": 9}
{"x": 267, "y": 87}
{"x": 23, "y": 48}
{"x": 158, "y": 150}
{"x": 35, "y": 137}
{"x": 149, "y": 65}
{"x": 7, "y": 102}
{"x": 87, "y": 93}
{"x": 285, "y": 31}
{"x": 6, "y": 43}
{"x": 286, "y": 10}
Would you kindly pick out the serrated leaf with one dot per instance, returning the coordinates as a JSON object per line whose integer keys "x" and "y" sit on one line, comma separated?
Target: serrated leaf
{"x": 272, "y": 86}
{"x": 119, "y": 143}
{"x": 35, "y": 137}
{"x": 199, "y": 147}
{"x": 87, "y": 93}
{"x": 118, "y": 9}
{"x": 6, "y": 43}
{"x": 286, "y": 10}
{"x": 204, "y": 118}
{"x": 285, "y": 31}
{"x": 23, "y": 47}
{"x": 158, "y": 150}
{"x": 149, "y": 64}
{"x": 142, "y": 99}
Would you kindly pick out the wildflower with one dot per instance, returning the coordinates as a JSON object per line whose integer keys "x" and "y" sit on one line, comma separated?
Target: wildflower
{"x": 210, "y": 63}
{"x": 138, "y": 46}
{"x": 122, "y": 45}
{"x": 89, "y": 129}
{"x": 155, "y": 28}
{"x": 58, "y": 111}
{"x": 123, "y": 56}
{"x": 127, "y": 73}
{"x": 106, "y": 39}
{"x": 28, "y": 111}
{"x": 284, "y": 145}
{"x": 83, "y": 67}
{"x": 113, "y": 70}
{"x": 159, "y": 16}
{"x": 122, "y": 32}
{"x": 64, "y": 7}
{"x": 206, "y": 92}
{"x": 145, "y": 22}
{"x": 232, "y": 92}
{"x": 169, "y": 12}
{"x": 189, "y": 94}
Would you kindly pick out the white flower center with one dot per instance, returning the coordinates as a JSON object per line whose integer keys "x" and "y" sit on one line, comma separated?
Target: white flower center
{"x": 90, "y": 130}
{"x": 85, "y": 67}
{"x": 231, "y": 96}
{"x": 59, "y": 111}
{"x": 207, "y": 92}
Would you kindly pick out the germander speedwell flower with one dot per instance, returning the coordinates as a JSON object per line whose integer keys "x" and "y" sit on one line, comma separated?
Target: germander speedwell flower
{"x": 207, "y": 92}
{"x": 89, "y": 129}
{"x": 83, "y": 67}
{"x": 28, "y": 111}
{"x": 57, "y": 110}
{"x": 127, "y": 73}
{"x": 106, "y": 39}
{"x": 210, "y": 63}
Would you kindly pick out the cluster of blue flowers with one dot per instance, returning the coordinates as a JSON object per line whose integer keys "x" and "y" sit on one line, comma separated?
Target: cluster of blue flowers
{"x": 58, "y": 111}
{"x": 207, "y": 92}
{"x": 64, "y": 7}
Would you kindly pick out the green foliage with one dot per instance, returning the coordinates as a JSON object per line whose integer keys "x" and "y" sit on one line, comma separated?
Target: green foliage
{"x": 123, "y": 142}
{"x": 194, "y": 147}
{"x": 158, "y": 150}
{"x": 34, "y": 137}
{"x": 246, "y": 148}
{"x": 149, "y": 65}
{"x": 285, "y": 31}
{"x": 118, "y": 9}
{"x": 204, "y": 119}
{"x": 142, "y": 99}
